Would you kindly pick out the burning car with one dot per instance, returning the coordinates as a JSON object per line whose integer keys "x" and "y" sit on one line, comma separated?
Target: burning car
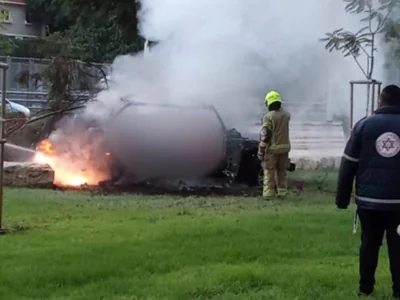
{"x": 151, "y": 141}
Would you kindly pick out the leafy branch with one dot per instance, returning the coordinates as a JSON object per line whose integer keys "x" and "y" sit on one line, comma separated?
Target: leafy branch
{"x": 6, "y": 43}
{"x": 363, "y": 42}
{"x": 359, "y": 6}
{"x": 67, "y": 75}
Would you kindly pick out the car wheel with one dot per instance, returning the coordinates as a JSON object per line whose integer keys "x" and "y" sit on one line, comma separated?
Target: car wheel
{"x": 251, "y": 172}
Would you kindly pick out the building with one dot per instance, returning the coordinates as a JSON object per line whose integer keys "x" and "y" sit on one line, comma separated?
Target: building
{"x": 14, "y": 21}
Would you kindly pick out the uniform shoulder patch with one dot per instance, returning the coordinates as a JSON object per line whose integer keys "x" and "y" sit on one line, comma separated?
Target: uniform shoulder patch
{"x": 388, "y": 144}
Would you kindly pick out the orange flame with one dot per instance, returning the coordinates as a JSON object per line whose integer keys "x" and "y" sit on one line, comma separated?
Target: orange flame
{"x": 46, "y": 147}
{"x": 66, "y": 172}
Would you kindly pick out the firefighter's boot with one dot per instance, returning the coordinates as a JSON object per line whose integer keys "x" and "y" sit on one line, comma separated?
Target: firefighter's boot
{"x": 282, "y": 192}
{"x": 269, "y": 193}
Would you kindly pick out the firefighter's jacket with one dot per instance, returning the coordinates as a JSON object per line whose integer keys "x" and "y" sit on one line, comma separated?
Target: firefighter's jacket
{"x": 274, "y": 136}
{"x": 372, "y": 157}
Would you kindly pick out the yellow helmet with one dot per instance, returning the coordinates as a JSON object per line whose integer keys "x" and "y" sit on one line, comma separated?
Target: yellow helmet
{"x": 272, "y": 97}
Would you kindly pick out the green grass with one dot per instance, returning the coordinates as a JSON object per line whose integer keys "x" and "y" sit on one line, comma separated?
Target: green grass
{"x": 70, "y": 245}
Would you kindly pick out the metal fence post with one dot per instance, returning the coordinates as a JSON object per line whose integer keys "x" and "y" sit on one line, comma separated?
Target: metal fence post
{"x": 351, "y": 105}
{"x": 4, "y": 68}
{"x": 373, "y": 98}
{"x": 370, "y": 104}
{"x": 368, "y": 99}
{"x": 9, "y": 64}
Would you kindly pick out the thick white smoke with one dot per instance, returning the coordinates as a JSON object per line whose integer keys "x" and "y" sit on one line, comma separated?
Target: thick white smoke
{"x": 225, "y": 53}
{"x": 228, "y": 53}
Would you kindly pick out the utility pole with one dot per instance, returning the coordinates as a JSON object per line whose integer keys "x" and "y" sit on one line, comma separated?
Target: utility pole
{"x": 4, "y": 68}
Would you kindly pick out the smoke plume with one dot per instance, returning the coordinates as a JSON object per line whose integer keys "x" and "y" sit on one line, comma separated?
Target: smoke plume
{"x": 228, "y": 53}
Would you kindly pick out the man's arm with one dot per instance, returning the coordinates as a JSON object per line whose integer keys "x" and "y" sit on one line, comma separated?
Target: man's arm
{"x": 265, "y": 135}
{"x": 348, "y": 166}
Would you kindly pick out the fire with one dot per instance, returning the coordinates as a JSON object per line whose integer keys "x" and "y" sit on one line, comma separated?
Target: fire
{"x": 69, "y": 170}
{"x": 45, "y": 146}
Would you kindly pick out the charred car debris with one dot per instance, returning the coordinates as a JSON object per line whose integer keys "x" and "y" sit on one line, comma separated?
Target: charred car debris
{"x": 239, "y": 165}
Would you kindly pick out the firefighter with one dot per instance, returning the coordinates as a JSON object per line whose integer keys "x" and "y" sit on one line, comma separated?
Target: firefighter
{"x": 274, "y": 147}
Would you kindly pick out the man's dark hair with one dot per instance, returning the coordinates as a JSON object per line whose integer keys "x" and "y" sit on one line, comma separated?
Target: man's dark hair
{"x": 275, "y": 106}
{"x": 390, "y": 95}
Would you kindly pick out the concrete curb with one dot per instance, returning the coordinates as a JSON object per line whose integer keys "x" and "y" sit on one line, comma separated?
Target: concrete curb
{"x": 310, "y": 163}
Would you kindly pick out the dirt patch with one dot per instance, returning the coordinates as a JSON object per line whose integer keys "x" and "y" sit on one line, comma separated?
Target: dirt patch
{"x": 182, "y": 190}
{"x": 154, "y": 190}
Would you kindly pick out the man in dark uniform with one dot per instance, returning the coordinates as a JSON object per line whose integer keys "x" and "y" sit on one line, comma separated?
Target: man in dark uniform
{"x": 372, "y": 157}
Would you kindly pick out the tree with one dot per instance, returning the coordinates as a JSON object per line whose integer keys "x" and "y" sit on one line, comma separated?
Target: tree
{"x": 118, "y": 14}
{"x": 6, "y": 43}
{"x": 103, "y": 28}
{"x": 98, "y": 30}
{"x": 66, "y": 74}
{"x": 99, "y": 43}
{"x": 70, "y": 82}
{"x": 363, "y": 42}
{"x": 49, "y": 13}
{"x": 377, "y": 20}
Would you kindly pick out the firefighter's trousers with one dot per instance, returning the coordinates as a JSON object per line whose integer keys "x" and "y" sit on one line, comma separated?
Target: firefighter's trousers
{"x": 275, "y": 181}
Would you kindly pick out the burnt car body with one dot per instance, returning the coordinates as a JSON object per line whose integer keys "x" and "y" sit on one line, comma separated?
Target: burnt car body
{"x": 242, "y": 162}
{"x": 239, "y": 164}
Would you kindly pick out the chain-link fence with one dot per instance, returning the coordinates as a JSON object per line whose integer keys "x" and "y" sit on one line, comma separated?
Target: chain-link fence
{"x": 27, "y": 84}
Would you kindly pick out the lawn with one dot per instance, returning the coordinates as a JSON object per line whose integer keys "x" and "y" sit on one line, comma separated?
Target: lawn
{"x": 71, "y": 245}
